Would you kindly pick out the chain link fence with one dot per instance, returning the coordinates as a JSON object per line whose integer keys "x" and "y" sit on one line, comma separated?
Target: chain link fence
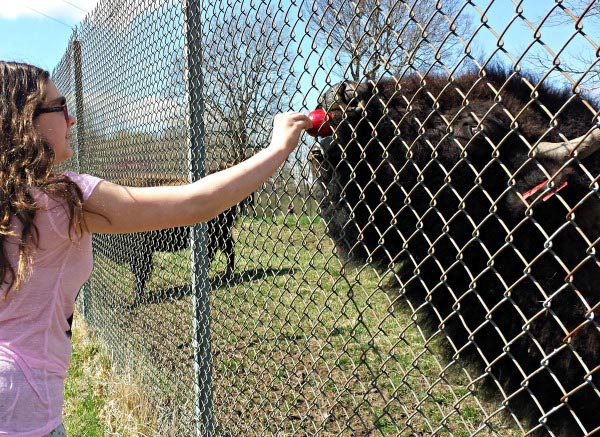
{"x": 430, "y": 269}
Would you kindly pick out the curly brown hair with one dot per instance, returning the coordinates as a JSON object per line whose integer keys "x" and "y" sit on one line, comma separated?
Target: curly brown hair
{"x": 26, "y": 161}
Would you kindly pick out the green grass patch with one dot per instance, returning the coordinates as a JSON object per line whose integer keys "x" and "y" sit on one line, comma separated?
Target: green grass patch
{"x": 301, "y": 342}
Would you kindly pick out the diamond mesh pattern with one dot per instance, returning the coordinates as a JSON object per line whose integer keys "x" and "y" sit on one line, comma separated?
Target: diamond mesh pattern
{"x": 402, "y": 277}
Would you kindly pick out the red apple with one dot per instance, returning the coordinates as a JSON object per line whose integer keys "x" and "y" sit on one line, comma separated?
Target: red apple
{"x": 319, "y": 119}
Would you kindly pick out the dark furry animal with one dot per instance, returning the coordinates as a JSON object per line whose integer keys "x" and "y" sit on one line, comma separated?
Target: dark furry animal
{"x": 137, "y": 249}
{"x": 493, "y": 237}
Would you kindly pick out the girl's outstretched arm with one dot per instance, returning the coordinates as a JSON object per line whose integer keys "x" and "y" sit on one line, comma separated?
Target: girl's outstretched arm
{"x": 113, "y": 208}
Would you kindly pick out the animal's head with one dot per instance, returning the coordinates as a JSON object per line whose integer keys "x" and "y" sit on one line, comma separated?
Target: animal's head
{"x": 406, "y": 150}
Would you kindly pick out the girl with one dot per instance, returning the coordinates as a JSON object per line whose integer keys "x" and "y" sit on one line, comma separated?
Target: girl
{"x": 46, "y": 222}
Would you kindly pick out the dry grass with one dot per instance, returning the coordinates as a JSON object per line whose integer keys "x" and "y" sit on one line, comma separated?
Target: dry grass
{"x": 103, "y": 400}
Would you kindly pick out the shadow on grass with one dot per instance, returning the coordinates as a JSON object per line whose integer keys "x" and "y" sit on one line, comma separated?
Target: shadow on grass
{"x": 179, "y": 292}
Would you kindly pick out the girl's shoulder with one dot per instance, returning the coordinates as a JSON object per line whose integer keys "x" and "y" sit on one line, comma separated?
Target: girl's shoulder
{"x": 84, "y": 181}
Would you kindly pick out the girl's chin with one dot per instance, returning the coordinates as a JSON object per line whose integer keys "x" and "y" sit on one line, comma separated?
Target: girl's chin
{"x": 63, "y": 156}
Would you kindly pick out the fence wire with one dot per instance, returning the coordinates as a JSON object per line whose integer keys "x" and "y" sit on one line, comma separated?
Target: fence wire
{"x": 431, "y": 268}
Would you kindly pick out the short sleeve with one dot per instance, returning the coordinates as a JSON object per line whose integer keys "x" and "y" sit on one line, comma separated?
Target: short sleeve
{"x": 85, "y": 182}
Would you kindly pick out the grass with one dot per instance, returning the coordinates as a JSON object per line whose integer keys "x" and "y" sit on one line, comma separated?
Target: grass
{"x": 301, "y": 343}
{"x": 101, "y": 400}
{"x": 85, "y": 394}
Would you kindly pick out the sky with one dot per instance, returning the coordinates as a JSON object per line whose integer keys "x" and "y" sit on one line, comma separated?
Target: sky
{"x": 38, "y": 31}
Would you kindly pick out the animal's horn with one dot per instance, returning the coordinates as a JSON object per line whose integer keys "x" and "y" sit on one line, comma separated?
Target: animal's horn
{"x": 585, "y": 145}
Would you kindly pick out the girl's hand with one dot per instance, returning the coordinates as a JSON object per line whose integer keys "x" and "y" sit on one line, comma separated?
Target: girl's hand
{"x": 287, "y": 128}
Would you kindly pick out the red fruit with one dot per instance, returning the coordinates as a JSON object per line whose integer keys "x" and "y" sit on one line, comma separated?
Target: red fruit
{"x": 319, "y": 119}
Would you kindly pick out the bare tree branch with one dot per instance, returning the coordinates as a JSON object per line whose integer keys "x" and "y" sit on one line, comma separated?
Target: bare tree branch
{"x": 374, "y": 37}
{"x": 579, "y": 61}
{"x": 238, "y": 65}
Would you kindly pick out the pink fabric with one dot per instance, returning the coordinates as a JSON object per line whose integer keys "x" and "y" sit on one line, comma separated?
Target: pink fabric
{"x": 35, "y": 348}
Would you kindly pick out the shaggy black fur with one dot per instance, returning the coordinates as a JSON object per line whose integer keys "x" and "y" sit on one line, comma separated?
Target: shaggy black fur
{"x": 427, "y": 177}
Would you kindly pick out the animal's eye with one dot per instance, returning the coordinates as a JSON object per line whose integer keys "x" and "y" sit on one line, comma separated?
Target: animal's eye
{"x": 474, "y": 129}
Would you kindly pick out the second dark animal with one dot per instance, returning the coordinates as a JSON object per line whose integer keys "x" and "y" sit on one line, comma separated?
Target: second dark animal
{"x": 137, "y": 250}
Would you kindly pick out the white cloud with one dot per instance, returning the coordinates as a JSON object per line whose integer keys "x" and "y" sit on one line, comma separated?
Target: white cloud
{"x": 66, "y": 10}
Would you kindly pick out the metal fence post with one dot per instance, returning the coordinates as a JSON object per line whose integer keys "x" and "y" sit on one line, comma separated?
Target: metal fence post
{"x": 200, "y": 282}
{"x": 78, "y": 77}
{"x": 80, "y": 126}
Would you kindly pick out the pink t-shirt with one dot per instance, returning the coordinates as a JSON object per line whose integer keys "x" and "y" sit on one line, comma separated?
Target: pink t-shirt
{"x": 35, "y": 346}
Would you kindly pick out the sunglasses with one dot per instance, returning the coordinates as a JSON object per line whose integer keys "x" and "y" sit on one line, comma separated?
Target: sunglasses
{"x": 62, "y": 108}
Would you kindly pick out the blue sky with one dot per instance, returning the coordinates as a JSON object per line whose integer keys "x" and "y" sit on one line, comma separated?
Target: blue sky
{"x": 38, "y": 31}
